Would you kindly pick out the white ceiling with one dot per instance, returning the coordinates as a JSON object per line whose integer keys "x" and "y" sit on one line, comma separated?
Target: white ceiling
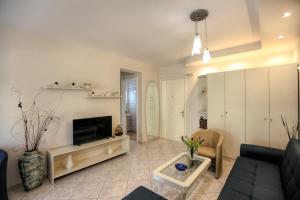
{"x": 154, "y": 31}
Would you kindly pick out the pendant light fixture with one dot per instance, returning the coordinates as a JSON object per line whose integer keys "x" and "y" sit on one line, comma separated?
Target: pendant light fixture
{"x": 197, "y": 16}
{"x": 206, "y": 55}
{"x": 197, "y": 42}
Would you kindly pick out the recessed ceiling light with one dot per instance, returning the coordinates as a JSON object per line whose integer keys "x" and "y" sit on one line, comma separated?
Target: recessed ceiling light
{"x": 280, "y": 37}
{"x": 286, "y": 14}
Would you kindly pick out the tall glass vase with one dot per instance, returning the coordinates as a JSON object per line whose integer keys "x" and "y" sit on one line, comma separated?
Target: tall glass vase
{"x": 191, "y": 154}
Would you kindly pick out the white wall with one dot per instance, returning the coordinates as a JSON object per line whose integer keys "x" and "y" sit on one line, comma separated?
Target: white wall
{"x": 29, "y": 62}
{"x": 297, "y": 52}
{"x": 172, "y": 71}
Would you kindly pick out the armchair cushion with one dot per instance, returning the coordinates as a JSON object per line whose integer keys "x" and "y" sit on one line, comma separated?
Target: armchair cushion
{"x": 207, "y": 151}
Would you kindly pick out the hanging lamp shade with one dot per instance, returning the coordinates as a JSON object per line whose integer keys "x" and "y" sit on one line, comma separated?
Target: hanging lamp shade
{"x": 206, "y": 56}
{"x": 197, "y": 45}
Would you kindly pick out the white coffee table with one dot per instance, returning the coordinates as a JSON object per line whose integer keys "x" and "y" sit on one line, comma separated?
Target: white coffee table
{"x": 167, "y": 174}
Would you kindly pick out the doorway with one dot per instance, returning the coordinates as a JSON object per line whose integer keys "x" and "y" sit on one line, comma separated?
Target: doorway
{"x": 173, "y": 108}
{"x": 129, "y": 104}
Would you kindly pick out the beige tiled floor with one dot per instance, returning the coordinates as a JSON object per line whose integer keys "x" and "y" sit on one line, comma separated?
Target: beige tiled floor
{"x": 115, "y": 178}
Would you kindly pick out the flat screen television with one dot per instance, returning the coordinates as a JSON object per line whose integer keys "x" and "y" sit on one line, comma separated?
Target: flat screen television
{"x": 91, "y": 129}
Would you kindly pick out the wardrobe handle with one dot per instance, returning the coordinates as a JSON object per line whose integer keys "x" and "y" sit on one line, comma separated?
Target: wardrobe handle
{"x": 271, "y": 120}
{"x": 265, "y": 118}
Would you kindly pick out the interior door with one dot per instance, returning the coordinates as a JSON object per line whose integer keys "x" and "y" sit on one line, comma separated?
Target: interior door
{"x": 257, "y": 106}
{"x": 283, "y": 101}
{"x": 173, "y": 109}
{"x": 234, "y": 112}
{"x": 123, "y": 105}
{"x": 131, "y": 102}
{"x": 215, "y": 95}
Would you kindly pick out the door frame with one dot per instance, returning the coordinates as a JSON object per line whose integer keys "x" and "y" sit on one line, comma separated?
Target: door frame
{"x": 139, "y": 137}
{"x": 161, "y": 106}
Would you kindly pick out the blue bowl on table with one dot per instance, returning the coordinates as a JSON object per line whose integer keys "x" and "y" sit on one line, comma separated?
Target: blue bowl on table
{"x": 180, "y": 166}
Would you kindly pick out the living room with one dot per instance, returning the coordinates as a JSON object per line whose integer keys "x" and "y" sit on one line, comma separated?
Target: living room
{"x": 149, "y": 99}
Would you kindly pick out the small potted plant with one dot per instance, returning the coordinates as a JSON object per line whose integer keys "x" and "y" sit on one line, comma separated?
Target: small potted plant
{"x": 35, "y": 123}
{"x": 192, "y": 145}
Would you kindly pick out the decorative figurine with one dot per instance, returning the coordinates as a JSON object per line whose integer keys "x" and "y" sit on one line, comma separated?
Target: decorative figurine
{"x": 118, "y": 130}
{"x": 55, "y": 84}
{"x": 69, "y": 162}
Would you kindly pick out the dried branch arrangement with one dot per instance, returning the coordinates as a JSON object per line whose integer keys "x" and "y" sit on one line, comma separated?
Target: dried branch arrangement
{"x": 294, "y": 131}
{"x": 35, "y": 122}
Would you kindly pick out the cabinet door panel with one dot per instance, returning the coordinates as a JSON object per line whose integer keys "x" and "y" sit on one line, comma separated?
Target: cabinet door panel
{"x": 257, "y": 107}
{"x": 283, "y": 101}
{"x": 215, "y": 94}
{"x": 234, "y": 112}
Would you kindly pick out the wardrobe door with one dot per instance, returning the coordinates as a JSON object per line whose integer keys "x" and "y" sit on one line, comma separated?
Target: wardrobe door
{"x": 234, "y": 112}
{"x": 283, "y": 101}
{"x": 215, "y": 95}
{"x": 257, "y": 106}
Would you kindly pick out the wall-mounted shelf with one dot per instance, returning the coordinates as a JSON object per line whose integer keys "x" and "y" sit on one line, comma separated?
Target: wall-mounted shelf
{"x": 67, "y": 88}
{"x": 102, "y": 96}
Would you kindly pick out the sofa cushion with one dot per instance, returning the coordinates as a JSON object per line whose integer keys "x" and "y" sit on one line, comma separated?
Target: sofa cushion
{"x": 207, "y": 151}
{"x": 290, "y": 170}
{"x": 143, "y": 193}
{"x": 253, "y": 179}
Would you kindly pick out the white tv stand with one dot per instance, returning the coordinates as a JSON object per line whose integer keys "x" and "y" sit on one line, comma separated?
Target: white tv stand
{"x": 85, "y": 155}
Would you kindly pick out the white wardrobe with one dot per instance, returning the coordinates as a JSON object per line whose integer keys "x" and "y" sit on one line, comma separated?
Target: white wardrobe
{"x": 246, "y": 105}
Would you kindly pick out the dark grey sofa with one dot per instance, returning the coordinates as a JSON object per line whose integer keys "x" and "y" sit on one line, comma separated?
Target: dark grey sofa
{"x": 3, "y": 168}
{"x": 262, "y": 173}
{"x": 142, "y": 193}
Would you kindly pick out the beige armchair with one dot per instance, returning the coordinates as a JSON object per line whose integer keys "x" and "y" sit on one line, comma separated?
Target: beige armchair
{"x": 212, "y": 147}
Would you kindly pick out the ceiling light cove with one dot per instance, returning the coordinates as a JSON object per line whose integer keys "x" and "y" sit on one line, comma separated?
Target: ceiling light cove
{"x": 286, "y": 14}
{"x": 280, "y": 37}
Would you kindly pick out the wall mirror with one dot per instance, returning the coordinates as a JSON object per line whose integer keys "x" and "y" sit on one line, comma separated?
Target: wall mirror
{"x": 152, "y": 110}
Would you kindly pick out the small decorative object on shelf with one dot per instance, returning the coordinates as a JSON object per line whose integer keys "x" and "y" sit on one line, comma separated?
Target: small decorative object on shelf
{"x": 87, "y": 85}
{"x": 109, "y": 150}
{"x": 55, "y": 84}
{"x": 115, "y": 94}
{"x": 180, "y": 166}
{"x": 292, "y": 132}
{"x": 103, "y": 95}
{"x": 203, "y": 122}
{"x": 35, "y": 123}
{"x": 203, "y": 91}
{"x": 192, "y": 145}
{"x": 118, "y": 130}
{"x": 69, "y": 164}
{"x": 73, "y": 84}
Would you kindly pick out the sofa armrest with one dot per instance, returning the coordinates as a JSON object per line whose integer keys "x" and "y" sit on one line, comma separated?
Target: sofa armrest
{"x": 267, "y": 154}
